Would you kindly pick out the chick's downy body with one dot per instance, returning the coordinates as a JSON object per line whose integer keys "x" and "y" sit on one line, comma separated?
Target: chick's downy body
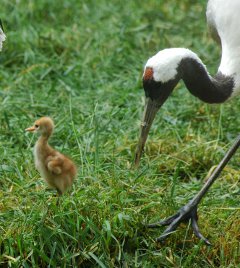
{"x": 57, "y": 169}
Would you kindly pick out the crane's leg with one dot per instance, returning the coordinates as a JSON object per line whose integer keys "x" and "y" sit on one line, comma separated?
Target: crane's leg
{"x": 189, "y": 211}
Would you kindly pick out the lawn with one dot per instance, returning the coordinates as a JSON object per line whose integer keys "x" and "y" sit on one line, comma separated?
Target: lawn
{"x": 81, "y": 63}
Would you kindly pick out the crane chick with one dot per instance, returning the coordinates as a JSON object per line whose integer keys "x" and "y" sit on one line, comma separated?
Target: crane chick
{"x": 57, "y": 169}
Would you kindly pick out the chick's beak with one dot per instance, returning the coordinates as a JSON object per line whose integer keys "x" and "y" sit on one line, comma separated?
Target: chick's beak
{"x": 30, "y": 129}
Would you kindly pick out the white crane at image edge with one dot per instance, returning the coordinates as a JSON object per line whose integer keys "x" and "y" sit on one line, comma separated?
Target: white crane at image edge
{"x": 2, "y": 35}
{"x": 163, "y": 71}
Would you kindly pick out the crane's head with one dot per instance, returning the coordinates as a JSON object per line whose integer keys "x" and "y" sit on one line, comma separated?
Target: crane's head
{"x": 161, "y": 75}
{"x": 43, "y": 126}
{"x": 2, "y": 35}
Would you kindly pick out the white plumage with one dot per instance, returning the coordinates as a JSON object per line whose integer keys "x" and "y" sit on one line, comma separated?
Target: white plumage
{"x": 224, "y": 16}
{"x": 2, "y": 38}
{"x": 165, "y": 63}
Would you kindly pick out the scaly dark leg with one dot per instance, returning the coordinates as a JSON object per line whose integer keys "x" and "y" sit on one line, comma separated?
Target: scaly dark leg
{"x": 189, "y": 211}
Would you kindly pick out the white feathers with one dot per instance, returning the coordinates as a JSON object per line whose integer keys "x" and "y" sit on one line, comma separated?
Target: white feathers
{"x": 165, "y": 63}
{"x": 2, "y": 38}
{"x": 224, "y": 16}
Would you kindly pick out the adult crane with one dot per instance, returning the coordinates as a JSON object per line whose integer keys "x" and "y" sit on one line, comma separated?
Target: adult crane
{"x": 163, "y": 71}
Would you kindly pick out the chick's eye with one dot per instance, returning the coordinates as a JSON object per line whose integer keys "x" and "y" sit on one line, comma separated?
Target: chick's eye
{"x": 36, "y": 126}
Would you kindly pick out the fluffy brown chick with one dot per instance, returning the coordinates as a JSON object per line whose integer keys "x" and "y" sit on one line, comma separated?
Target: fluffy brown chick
{"x": 57, "y": 169}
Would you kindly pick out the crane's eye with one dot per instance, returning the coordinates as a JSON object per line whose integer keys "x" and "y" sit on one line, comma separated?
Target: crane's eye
{"x": 36, "y": 126}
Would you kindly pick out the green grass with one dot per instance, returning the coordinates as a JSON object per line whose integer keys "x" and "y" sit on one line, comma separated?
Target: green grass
{"x": 81, "y": 62}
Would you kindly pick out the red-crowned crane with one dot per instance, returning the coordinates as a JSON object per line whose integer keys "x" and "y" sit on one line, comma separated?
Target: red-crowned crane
{"x": 162, "y": 73}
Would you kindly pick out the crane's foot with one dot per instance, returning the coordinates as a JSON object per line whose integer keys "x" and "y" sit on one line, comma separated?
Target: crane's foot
{"x": 186, "y": 213}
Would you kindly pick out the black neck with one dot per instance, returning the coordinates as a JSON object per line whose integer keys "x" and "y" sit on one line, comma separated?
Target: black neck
{"x": 209, "y": 89}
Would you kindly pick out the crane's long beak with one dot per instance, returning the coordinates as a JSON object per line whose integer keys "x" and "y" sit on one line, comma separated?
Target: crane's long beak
{"x": 30, "y": 129}
{"x": 151, "y": 108}
{"x": 156, "y": 93}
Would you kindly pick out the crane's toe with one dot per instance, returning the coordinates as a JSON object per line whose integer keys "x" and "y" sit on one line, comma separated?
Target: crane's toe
{"x": 186, "y": 213}
{"x": 197, "y": 232}
{"x": 165, "y": 222}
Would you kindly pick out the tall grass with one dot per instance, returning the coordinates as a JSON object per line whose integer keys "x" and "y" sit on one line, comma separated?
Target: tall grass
{"x": 81, "y": 62}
